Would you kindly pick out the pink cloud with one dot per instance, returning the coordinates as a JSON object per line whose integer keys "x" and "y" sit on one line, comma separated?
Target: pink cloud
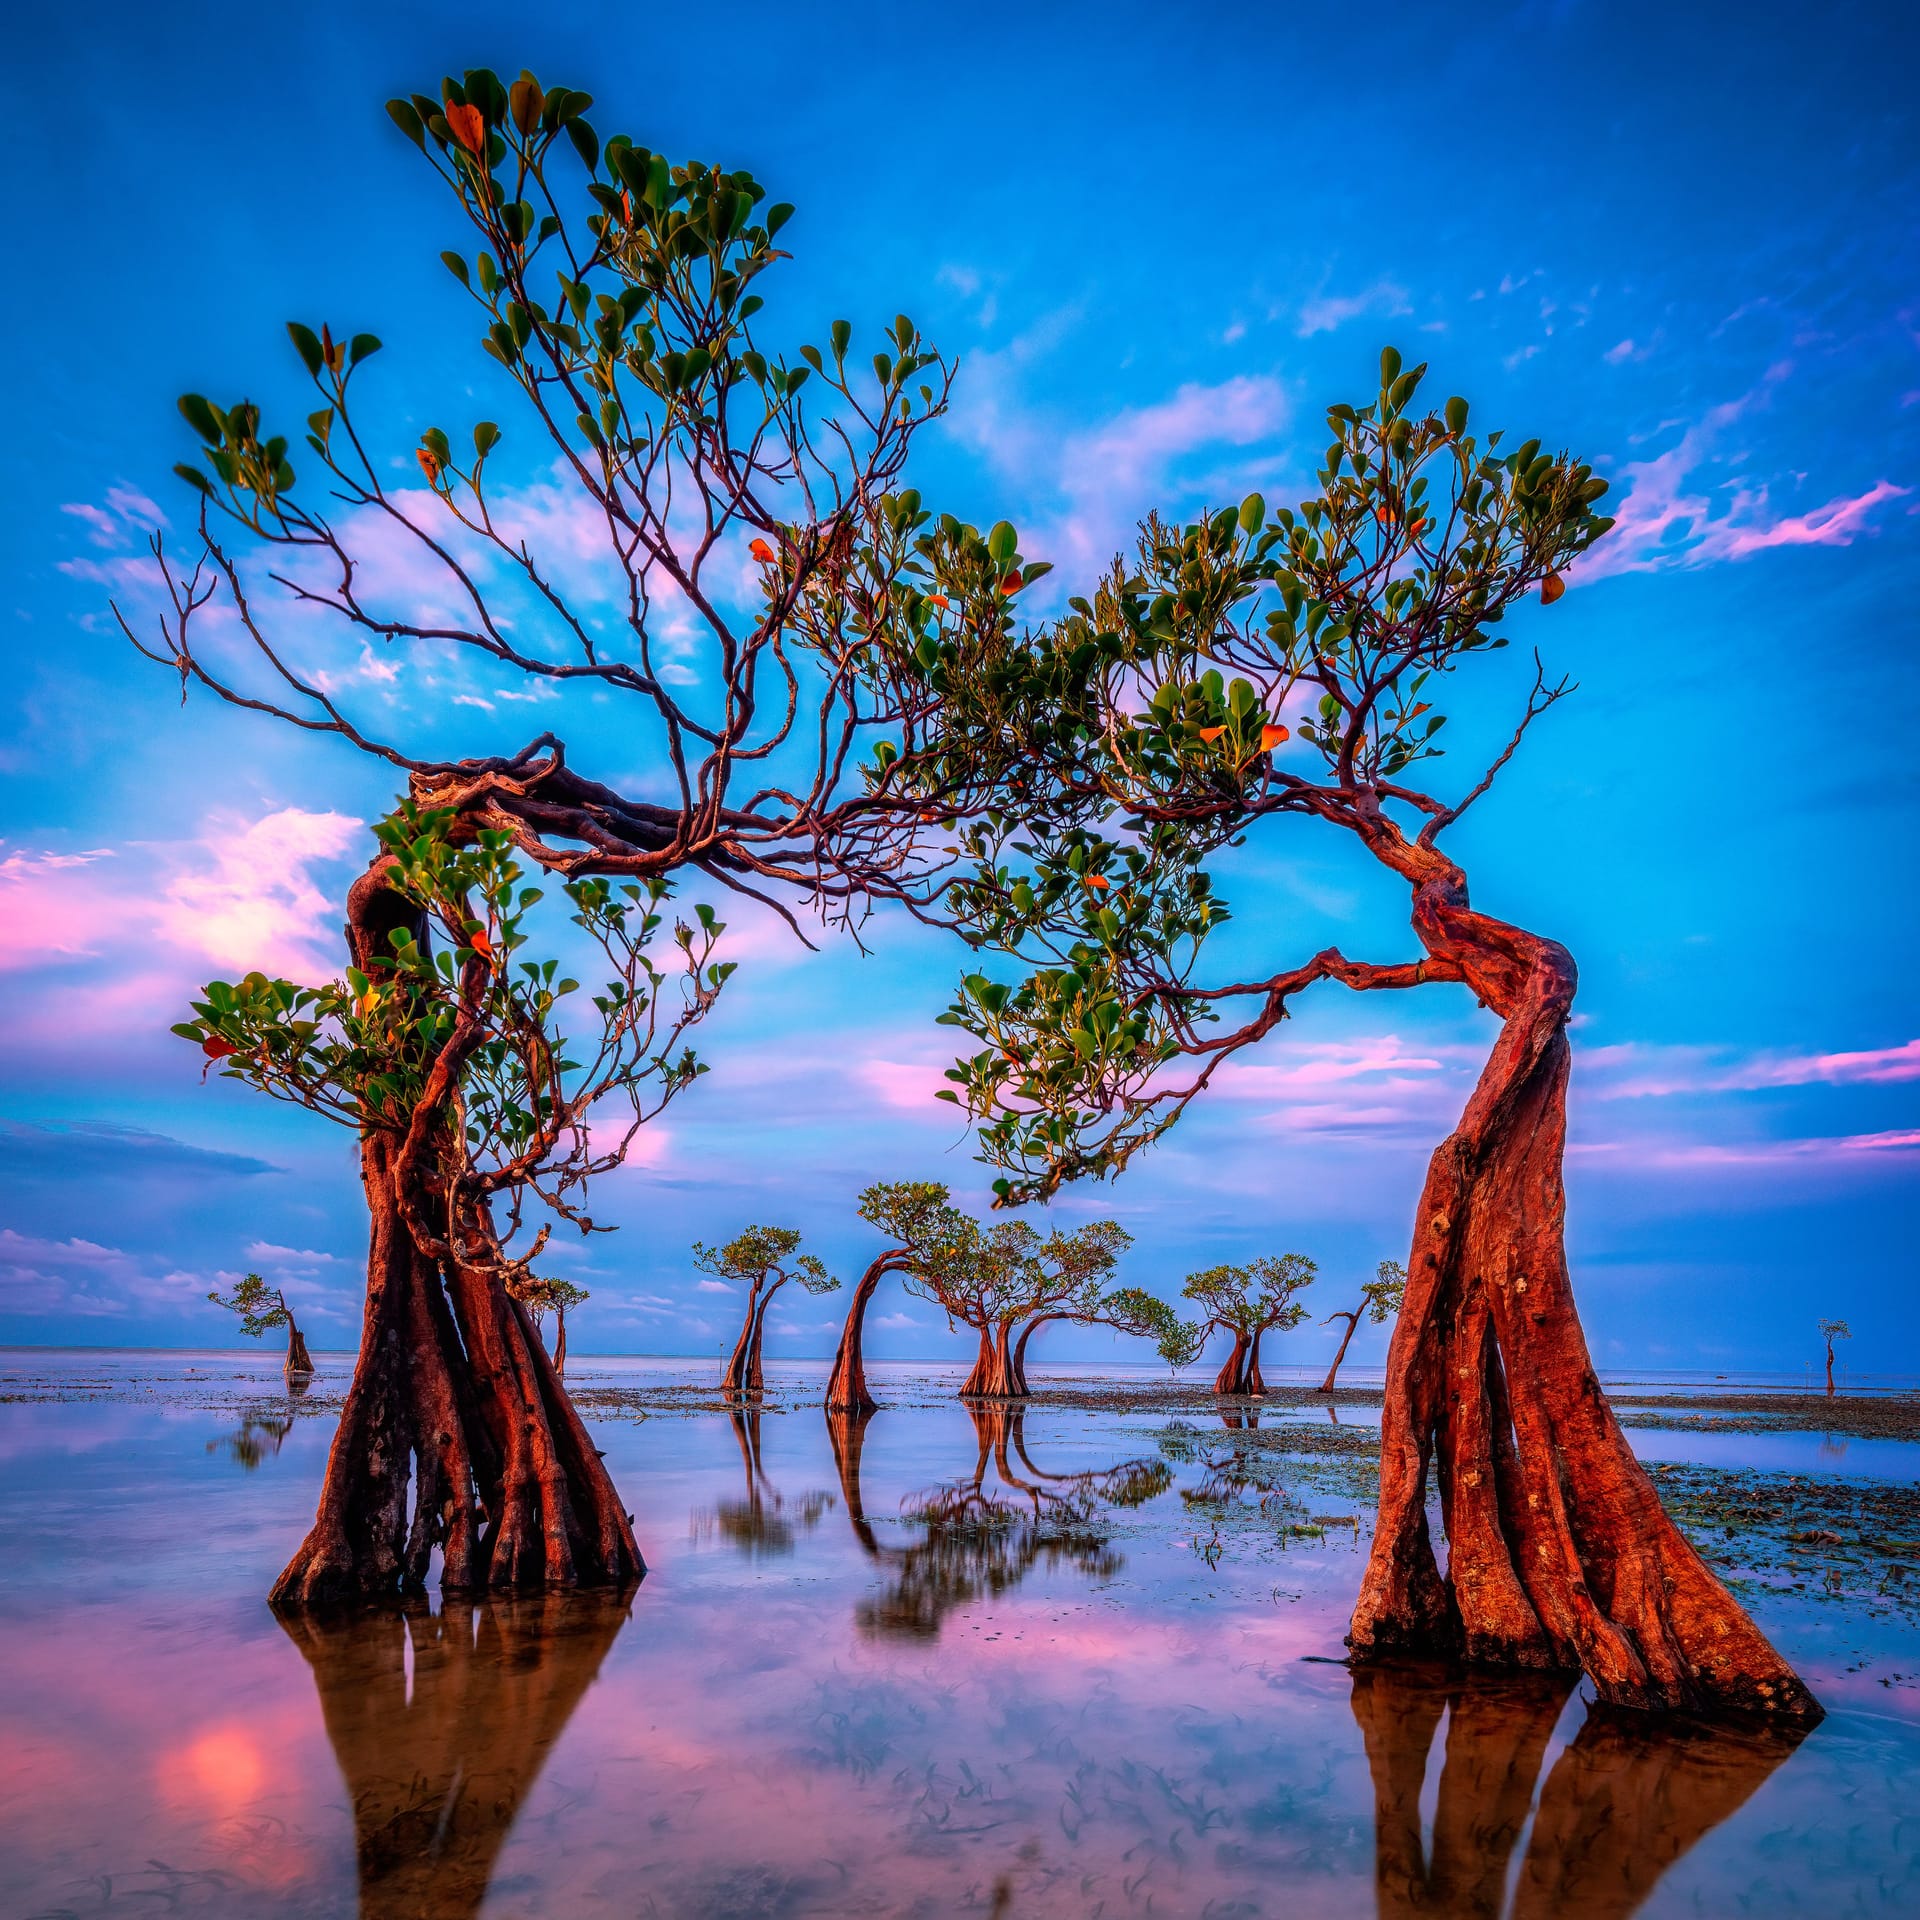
{"x": 906, "y": 1084}
{"x": 1333, "y": 1063}
{"x": 1684, "y": 1070}
{"x": 251, "y": 900}
{"x": 1665, "y": 518}
{"x": 81, "y": 1277}
{"x": 1827, "y": 1149}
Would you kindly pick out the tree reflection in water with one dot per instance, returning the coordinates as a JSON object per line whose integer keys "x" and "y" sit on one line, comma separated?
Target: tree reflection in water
{"x": 762, "y": 1524}
{"x": 258, "y": 1439}
{"x": 978, "y": 1541}
{"x": 437, "y": 1765}
{"x": 1623, "y": 1802}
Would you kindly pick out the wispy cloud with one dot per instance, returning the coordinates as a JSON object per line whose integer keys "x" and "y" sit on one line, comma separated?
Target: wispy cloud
{"x": 1825, "y": 1150}
{"x": 1323, "y": 312}
{"x": 1099, "y": 481}
{"x": 1666, "y": 517}
{"x": 1635, "y": 1071}
{"x": 243, "y": 894}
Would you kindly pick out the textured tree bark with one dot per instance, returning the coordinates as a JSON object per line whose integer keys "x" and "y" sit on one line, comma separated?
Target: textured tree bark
{"x": 560, "y": 1340}
{"x": 737, "y": 1380}
{"x": 1027, "y": 1332}
{"x": 1559, "y": 1553}
{"x": 1255, "y": 1381}
{"x": 299, "y": 1361}
{"x": 1232, "y": 1378}
{"x": 456, "y": 1432}
{"x": 847, "y": 1383}
{"x": 1829, "y": 1369}
{"x": 1352, "y": 1320}
{"x": 992, "y": 1375}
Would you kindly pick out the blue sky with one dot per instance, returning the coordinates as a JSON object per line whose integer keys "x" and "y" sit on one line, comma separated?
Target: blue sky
{"x": 1679, "y": 241}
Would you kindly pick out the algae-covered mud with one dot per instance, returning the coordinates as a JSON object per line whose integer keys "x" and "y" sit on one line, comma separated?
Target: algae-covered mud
{"x": 1078, "y": 1659}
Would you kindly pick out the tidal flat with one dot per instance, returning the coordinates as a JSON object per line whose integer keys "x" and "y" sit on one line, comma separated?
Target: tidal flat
{"x": 1079, "y": 1659}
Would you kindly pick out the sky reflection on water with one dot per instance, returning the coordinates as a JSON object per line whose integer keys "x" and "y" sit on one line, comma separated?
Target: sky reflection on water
{"x": 922, "y": 1665}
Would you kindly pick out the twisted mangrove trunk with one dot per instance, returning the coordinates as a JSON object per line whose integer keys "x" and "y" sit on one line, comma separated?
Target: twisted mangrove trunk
{"x": 847, "y": 1383}
{"x": 1353, "y": 1320}
{"x": 456, "y": 1432}
{"x": 1559, "y": 1553}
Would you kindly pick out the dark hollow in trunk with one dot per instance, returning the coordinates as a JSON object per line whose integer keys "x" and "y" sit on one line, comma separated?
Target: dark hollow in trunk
{"x": 1559, "y": 1553}
{"x": 437, "y": 1772}
{"x": 456, "y": 1432}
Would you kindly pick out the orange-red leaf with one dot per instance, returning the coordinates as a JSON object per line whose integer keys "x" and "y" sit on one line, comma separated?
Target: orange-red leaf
{"x": 939, "y": 599}
{"x": 1551, "y": 588}
{"x": 1271, "y": 737}
{"x": 429, "y": 465}
{"x": 1012, "y": 583}
{"x": 1211, "y": 734}
{"x": 469, "y": 127}
{"x": 216, "y": 1048}
{"x": 1098, "y": 882}
{"x": 479, "y": 942}
{"x": 762, "y": 552}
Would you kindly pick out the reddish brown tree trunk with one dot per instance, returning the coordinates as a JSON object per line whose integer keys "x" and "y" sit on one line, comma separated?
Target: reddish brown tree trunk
{"x": 1829, "y": 1369}
{"x": 737, "y": 1380}
{"x": 1559, "y": 1553}
{"x": 456, "y": 1432}
{"x": 1255, "y": 1381}
{"x": 560, "y": 1340}
{"x": 298, "y": 1359}
{"x": 1352, "y": 1320}
{"x": 847, "y": 1383}
{"x": 1019, "y": 1371}
{"x": 1232, "y": 1378}
{"x": 992, "y": 1377}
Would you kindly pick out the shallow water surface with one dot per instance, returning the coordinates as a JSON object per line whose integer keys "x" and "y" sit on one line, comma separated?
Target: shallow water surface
{"x": 1070, "y": 1662}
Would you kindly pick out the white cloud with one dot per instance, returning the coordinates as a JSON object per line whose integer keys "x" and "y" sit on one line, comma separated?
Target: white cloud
{"x": 1325, "y": 311}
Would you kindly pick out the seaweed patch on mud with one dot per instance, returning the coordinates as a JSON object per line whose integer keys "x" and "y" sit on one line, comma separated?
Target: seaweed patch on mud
{"x": 1853, "y": 1541}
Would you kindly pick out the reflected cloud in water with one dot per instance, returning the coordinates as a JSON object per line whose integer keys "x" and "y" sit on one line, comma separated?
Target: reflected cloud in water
{"x": 1007, "y": 1677}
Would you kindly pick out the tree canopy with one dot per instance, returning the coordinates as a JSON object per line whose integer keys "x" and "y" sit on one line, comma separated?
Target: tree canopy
{"x": 1151, "y": 715}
